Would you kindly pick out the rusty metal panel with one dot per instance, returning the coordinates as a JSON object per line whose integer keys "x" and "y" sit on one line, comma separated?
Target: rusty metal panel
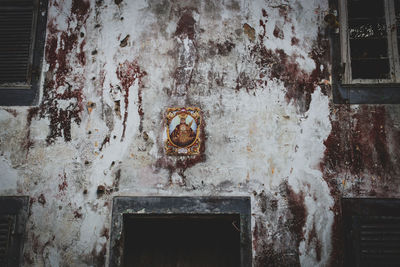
{"x": 372, "y": 232}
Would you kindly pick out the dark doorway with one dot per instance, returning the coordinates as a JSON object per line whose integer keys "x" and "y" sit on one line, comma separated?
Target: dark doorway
{"x": 182, "y": 240}
{"x": 181, "y": 232}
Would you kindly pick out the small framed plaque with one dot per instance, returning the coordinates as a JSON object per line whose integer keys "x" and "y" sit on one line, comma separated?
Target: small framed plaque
{"x": 183, "y": 131}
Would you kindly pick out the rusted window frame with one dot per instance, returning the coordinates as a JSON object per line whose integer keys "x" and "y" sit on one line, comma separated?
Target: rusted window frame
{"x": 126, "y": 206}
{"x": 29, "y": 95}
{"x": 361, "y": 91}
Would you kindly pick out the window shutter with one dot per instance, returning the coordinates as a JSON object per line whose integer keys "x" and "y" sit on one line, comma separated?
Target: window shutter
{"x": 377, "y": 240}
{"x": 16, "y": 36}
{"x": 372, "y": 232}
{"x": 13, "y": 217}
{"x": 6, "y": 226}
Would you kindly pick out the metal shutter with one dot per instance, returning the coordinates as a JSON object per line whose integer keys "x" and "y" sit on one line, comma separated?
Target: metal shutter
{"x": 6, "y": 227}
{"x": 16, "y": 35}
{"x": 377, "y": 240}
{"x": 372, "y": 232}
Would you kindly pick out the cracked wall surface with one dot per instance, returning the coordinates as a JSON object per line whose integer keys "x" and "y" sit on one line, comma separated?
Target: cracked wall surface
{"x": 259, "y": 71}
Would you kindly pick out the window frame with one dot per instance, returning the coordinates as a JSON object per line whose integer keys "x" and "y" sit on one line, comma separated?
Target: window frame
{"x": 16, "y": 95}
{"x": 345, "y": 90}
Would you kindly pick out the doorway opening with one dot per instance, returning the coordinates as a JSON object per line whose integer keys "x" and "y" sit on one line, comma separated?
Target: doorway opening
{"x": 181, "y": 232}
{"x": 182, "y": 240}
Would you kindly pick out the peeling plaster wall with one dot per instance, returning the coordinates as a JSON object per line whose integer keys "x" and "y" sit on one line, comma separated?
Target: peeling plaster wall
{"x": 259, "y": 70}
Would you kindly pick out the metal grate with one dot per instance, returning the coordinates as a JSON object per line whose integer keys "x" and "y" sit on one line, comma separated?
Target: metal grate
{"x": 16, "y": 35}
{"x": 6, "y": 224}
{"x": 378, "y": 240}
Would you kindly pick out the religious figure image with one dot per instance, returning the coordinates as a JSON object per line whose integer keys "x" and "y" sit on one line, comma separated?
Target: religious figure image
{"x": 183, "y": 131}
{"x": 183, "y": 134}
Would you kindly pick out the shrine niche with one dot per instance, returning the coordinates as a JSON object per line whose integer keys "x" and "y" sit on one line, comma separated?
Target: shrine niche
{"x": 183, "y": 131}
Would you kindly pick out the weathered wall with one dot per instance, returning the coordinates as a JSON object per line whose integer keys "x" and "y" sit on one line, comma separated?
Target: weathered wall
{"x": 259, "y": 70}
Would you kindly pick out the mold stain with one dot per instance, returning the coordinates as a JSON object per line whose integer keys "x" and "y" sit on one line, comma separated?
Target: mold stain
{"x": 11, "y": 111}
{"x": 186, "y": 51}
{"x": 77, "y": 214}
{"x": 63, "y": 185}
{"x": 278, "y": 33}
{"x": 244, "y": 81}
{"x": 294, "y": 41}
{"x": 99, "y": 258}
{"x": 313, "y": 241}
{"x": 298, "y": 209}
{"x": 41, "y": 199}
{"x": 128, "y": 72}
{"x": 267, "y": 254}
{"x": 186, "y": 25}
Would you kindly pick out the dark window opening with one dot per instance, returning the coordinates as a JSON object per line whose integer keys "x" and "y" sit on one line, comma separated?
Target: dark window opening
{"x": 22, "y": 34}
{"x": 195, "y": 240}
{"x": 181, "y": 231}
{"x": 365, "y": 51}
{"x": 372, "y": 232}
{"x": 367, "y": 31}
{"x": 13, "y": 216}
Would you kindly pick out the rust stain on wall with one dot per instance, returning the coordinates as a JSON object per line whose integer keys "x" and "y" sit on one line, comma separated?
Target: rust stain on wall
{"x": 278, "y": 33}
{"x": 298, "y": 209}
{"x": 61, "y": 47}
{"x": 272, "y": 249}
{"x": 279, "y": 65}
{"x": 128, "y": 72}
{"x": 186, "y": 25}
{"x": 359, "y": 146}
{"x": 298, "y": 83}
{"x": 187, "y": 54}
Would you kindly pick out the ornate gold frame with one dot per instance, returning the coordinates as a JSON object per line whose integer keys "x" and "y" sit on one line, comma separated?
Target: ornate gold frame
{"x": 193, "y": 148}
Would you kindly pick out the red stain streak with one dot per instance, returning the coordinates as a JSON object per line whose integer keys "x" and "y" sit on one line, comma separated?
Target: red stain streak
{"x": 263, "y": 25}
{"x": 82, "y": 55}
{"x": 264, "y": 12}
{"x": 63, "y": 186}
{"x": 128, "y": 72}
